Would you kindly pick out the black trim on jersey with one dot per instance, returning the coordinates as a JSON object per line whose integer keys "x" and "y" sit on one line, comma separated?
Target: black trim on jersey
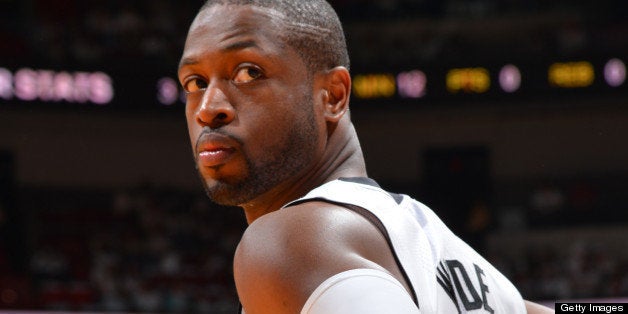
{"x": 368, "y": 181}
{"x": 379, "y": 225}
{"x": 397, "y": 197}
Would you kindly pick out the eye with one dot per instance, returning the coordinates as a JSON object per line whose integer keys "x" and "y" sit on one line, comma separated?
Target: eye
{"x": 194, "y": 84}
{"x": 247, "y": 74}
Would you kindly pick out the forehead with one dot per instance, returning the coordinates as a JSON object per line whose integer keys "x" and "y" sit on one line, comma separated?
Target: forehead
{"x": 222, "y": 26}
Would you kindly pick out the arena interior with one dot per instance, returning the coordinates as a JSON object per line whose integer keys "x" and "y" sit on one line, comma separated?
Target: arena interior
{"x": 508, "y": 118}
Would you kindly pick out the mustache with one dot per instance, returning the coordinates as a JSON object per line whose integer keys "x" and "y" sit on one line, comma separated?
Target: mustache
{"x": 221, "y": 134}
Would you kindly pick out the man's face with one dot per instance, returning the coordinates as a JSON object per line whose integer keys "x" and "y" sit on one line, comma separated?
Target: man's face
{"x": 249, "y": 109}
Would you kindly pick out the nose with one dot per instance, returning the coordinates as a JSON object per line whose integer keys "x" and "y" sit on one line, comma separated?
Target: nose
{"x": 215, "y": 109}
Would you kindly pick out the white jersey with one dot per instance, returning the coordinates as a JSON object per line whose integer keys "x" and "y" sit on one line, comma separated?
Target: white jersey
{"x": 445, "y": 274}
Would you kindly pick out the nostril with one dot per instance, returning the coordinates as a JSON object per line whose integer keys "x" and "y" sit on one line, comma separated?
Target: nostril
{"x": 221, "y": 116}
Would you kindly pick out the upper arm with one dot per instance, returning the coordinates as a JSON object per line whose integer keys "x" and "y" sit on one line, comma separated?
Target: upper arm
{"x": 535, "y": 308}
{"x": 360, "y": 291}
{"x": 284, "y": 256}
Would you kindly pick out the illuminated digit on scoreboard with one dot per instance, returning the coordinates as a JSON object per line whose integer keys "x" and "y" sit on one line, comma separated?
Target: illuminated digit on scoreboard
{"x": 510, "y": 78}
{"x": 411, "y": 84}
{"x": 615, "y": 72}
{"x": 571, "y": 74}
{"x": 374, "y": 86}
{"x": 469, "y": 80}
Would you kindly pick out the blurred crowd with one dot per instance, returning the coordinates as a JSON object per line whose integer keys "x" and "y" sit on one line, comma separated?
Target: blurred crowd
{"x": 147, "y": 250}
{"x": 163, "y": 250}
{"x": 97, "y": 32}
{"x": 583, "y": 270}
{"x": 114, "y": 33}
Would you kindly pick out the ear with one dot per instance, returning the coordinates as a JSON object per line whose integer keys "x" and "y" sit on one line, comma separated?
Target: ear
{"x": 336, "y": 93}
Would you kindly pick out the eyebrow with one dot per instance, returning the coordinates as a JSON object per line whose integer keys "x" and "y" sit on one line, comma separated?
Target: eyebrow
{"x": 239, "y": 45}
{"x": 187, "y": 61}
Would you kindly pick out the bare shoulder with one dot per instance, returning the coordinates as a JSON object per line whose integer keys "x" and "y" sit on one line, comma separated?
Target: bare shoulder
{"x": 283, "y": 256}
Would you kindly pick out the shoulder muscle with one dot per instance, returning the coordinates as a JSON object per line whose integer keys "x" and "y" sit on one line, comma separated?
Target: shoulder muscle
{"x": 285, "y": 255}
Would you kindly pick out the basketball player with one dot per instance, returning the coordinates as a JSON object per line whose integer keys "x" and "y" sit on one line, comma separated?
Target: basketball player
{"x": 267, "y": 110}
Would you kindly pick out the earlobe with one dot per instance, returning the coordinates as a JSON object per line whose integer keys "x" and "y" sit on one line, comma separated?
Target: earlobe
{"x": 336, "y": 94}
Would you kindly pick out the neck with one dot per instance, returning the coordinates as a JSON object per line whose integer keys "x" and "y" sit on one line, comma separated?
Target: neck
{"x": 342, "y": 158}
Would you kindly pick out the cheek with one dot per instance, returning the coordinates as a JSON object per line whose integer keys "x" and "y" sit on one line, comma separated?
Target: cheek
{"x": 264, "y": 131}
{"x": 267, "y": 133}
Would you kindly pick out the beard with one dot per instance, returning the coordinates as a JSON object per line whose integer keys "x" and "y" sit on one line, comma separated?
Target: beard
{"x": 282, "y": 161}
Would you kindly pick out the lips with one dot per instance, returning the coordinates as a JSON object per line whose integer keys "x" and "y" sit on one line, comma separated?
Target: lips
{"x": 214, "y": 149}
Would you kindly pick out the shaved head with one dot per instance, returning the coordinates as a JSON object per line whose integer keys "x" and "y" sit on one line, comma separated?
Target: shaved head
{"x": 311, "y": 27}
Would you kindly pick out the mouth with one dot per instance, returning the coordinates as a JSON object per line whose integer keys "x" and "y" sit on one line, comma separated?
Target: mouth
{"x": 214, "y": 157}
{"x": 214, "y": 150}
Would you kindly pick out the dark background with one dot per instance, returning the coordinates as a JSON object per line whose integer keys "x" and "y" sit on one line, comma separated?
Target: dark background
{"x": 101, "y": 209}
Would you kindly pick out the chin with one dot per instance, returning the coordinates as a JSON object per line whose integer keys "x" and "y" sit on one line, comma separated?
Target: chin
{"x": 226, "y": 194}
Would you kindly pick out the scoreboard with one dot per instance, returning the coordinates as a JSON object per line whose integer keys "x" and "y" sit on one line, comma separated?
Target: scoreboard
{"x": 508, "y": 80}
{"x": 27, "y": 87}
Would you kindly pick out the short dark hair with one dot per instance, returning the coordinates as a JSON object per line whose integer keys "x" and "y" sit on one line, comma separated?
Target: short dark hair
{"x": 313, "y": 29}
